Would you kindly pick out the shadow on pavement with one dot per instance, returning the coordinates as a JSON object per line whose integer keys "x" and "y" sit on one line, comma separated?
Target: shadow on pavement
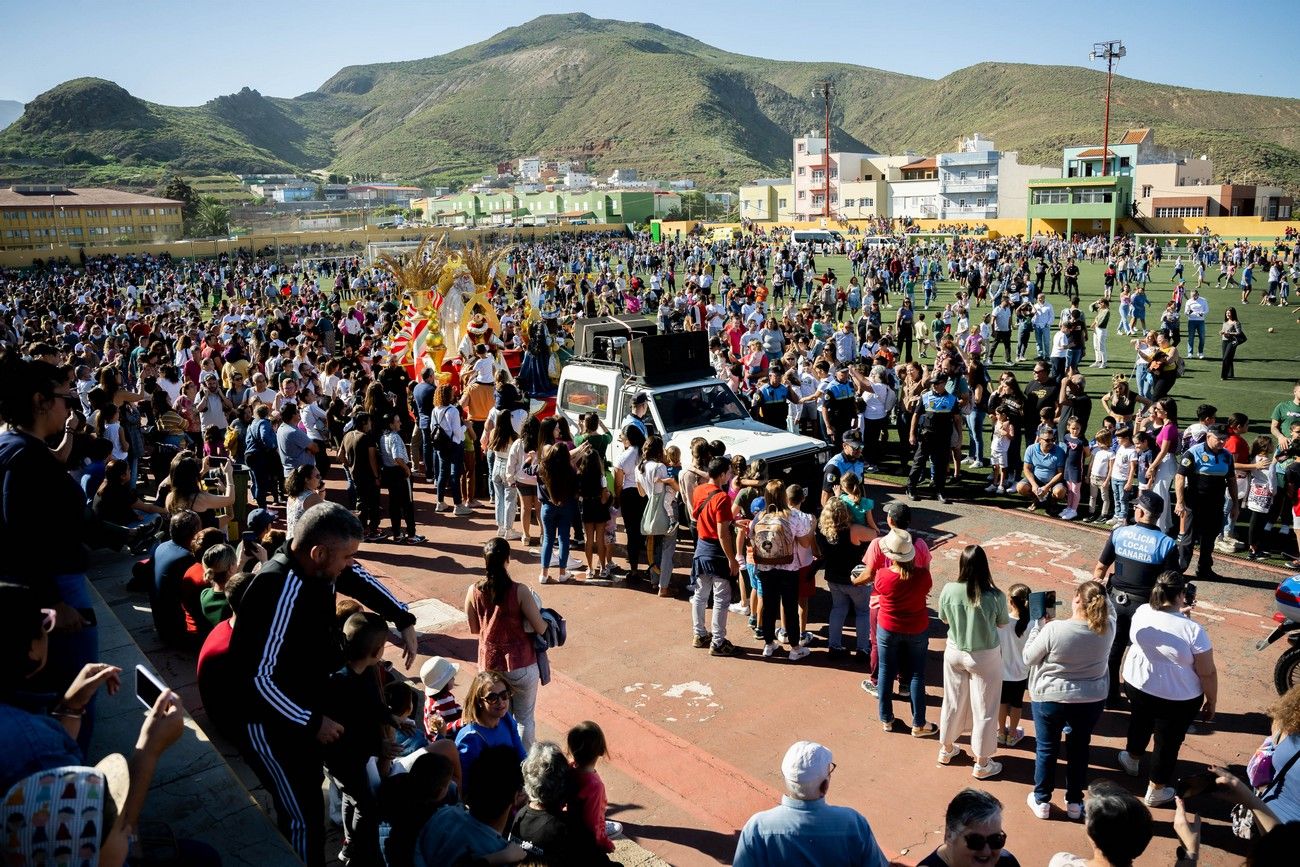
{"x": 721, "y": 847}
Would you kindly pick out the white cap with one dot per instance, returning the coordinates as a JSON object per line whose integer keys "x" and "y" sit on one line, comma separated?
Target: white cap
{"x": 805, "y": 766}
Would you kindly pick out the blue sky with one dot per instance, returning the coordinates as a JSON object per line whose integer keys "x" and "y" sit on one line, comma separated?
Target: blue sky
{"x": 187, "y": 51}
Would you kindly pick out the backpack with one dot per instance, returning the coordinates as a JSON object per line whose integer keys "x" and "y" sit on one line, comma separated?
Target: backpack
{"x": 442, "y": 441}
{"x": 771, "y": 539}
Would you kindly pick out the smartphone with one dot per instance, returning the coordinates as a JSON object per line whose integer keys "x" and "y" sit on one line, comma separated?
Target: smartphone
{"x": 1189, "y": 593}
{"x": 248, "y": 537}
{"x": 147, "y": 686}
{"x": 216, "y": 461}
{"x": 1196, "y": 784}
{"x": 1040, "y": 602}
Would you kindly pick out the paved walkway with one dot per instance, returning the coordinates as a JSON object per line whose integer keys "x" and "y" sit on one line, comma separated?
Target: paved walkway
{"x": 696, "y": 741}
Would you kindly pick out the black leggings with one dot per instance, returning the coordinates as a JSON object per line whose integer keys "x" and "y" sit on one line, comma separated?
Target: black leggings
{"x": 779, "y": 589}
{"x": 400, "y": 505}
{"x": 1168, "y": 720}
{"x": 632, "y": 504}
{"x": 1256, "y": 538}
{"x": 1228, "y": 369}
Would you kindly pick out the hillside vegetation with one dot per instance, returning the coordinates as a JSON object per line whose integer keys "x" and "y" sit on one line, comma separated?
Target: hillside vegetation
{"x": 623, "y": 94}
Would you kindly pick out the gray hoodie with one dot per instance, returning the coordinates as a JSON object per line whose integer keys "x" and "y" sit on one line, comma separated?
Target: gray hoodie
{"x": 1068, "y": 661}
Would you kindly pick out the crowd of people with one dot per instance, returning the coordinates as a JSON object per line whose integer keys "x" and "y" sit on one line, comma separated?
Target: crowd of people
{"x": 137, "y": 389}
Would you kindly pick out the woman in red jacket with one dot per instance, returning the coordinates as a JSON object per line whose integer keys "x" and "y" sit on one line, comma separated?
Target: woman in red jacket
{"x": 901, "y": 627}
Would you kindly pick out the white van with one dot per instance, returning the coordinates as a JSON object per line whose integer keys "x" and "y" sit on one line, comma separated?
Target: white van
{"x": 812, "y": 236}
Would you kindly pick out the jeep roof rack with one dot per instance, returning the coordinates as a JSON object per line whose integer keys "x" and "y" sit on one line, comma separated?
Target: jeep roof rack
{"x": 633, "y": 345}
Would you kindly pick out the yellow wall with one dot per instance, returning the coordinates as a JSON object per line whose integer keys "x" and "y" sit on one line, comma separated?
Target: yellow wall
{"x": 65, "y": 218}
{"x": 189, "y": 249}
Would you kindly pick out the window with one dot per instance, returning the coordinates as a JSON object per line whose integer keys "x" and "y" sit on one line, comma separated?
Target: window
{"x": 981, "y": 203}
{"x": 835, "y": 172}
{"x": 818, "y": 175}
{"x": 44, "y": 233}
{"x": 961, "y": 176}
{"x": 1124, "y": 162}
{"x": 961, "y": 203}
{"x": 1094, "y": 197}
{"x": 799, "y": 148}
{"x": 42, "y": 215}
{"x": 147, "y": 212}
{"x": 802, "y": 171}
{"x": 801, "y": 195}
{"x": 14, "y": 215}
{"x": 818, "y": 199}
{"x": 72, "y": 233}
{"x": 866, "y": 203}
{"x": 834, "y": 197}
{"x": 17, "y": 233}
{"x": 848, "y": 203}
{"x": 1146, "y": 191}
{"x": 1051, "y": 197}
{"x": 124, "y": 230}
{"x": 1181, "y": 212}
{"x": 583, "y": 397}
{"x": 1284, "y": 212}
{"x": 98, "y": 230}
{"x": 982, "y": 174}
{"x": 780, "y": 203}
{"x": 148, "y": 229}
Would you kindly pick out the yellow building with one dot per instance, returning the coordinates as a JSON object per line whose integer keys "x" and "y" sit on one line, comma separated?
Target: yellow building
{"x": 36, "y": 216}
{"x": 766, "y": 200}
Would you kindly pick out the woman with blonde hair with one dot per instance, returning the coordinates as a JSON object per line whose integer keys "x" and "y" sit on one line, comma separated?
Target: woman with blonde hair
{"x": 772, "y": 543}
{"x": 842, "y": 543}
{"x": 1068, "y": 683}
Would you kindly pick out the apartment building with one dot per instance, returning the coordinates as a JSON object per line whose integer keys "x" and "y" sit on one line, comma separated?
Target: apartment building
{"x": 35, "y": 216}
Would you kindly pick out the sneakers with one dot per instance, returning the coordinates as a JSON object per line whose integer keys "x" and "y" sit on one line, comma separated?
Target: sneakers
{"x": 1157, "y": 797}
{"x": 1069, "y": 514}
{"x": 613, "y": 829}
{"x": 1014, "y": 736}
{"x": 780, "y": 635}
{"x": 805, "y": 639}
{"x": 700, "y": 641}
{"x": 512, "y": 535}
{"x": 546, "y": 579}
{"x": 1129, "y": 764}
{"x": 1075, "y": 811}
{"x": 1040, "y": 811}
{"x": 798, "y": 653}
{"x": 769, "y": 649}
{"x": 441, "y": 508}
{"x": 870, "y": 688}
{"x": 925, "y": 731}
{"x": 416, "y": 539}
{"x": 738, "y": 608}
{"x": 462, "y": 510}
{"x": 726, "y": 648}
{"x": 946, "y": 756}
{"x": 983, "y": 772}
{"x": 992, "y": 488}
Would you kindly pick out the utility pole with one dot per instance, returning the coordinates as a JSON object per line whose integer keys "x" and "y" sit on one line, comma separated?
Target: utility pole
{"x": 1110, "y": 52}
{"x": 823, "y": 90}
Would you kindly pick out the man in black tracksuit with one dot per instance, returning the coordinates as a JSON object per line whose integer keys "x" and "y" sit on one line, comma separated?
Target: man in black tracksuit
{"x": 284, "y": 647}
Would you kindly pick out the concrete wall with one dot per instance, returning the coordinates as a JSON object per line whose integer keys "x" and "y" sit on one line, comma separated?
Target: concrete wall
{"x": 288, "y": 240}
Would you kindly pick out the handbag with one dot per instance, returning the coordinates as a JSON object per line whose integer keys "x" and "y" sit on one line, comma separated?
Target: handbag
{"x": 1243, "y": 818}
{"x": 654, "y": 520}
{"x": 1241, "y": 337}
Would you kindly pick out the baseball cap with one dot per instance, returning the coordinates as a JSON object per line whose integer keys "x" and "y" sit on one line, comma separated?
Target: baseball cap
{"x": 1219, "y": 430}
{"x": 641, "y": 398}
{"x": 258, "y": 520}
{"x": 899, "y": 513}
{"x": 436, "y": 673}
{"x": 852, "y": 439}
{"x": 1151, "y": 502}
{"x": 806, "y": 765}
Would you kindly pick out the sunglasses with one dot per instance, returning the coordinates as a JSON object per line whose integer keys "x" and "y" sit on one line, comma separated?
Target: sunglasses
{"x": 48, "y": 618}
{"x": 977, "y": 842}
{"x": 499, "y": 696}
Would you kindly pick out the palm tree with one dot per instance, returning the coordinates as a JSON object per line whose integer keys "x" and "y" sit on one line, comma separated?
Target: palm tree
{"x": 211, "y": 218}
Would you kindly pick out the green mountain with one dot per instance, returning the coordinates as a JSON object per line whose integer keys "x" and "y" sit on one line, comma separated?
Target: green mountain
{"x": 621, "y": 94}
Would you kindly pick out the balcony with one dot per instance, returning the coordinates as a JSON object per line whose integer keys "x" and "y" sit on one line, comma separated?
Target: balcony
{"x": 969, "y": 212}
{"x": 970, "y": 185}
{"x": 976, "y": 158}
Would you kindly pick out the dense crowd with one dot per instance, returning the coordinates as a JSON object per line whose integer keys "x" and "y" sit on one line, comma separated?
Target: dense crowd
{"x": 148, "y": 401}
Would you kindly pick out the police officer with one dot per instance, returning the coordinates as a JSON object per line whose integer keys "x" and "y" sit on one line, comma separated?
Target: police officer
{"x": 772, "y": 400}
{"x": 932, "y": 430}
{"x": 637, "y": 414}
{"x": 849, "y": 460}
{"x": 839, "y": 404}
{"x": 1139, "y": 553}
{"x": 1205, "y": 476}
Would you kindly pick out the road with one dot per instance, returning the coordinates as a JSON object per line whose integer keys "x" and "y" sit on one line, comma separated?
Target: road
{"x": 697, "y": 741}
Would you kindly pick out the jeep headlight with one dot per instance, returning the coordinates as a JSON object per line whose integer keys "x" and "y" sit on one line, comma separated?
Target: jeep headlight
{"x": 823, "y": 456}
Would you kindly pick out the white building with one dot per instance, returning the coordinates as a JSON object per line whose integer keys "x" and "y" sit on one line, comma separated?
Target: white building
{"x": 968, "y": 180}
{"x": 914, "y": 189}
{"x": 578, "y": 180}
{"x": 530, "y": 168}
{"x": 622, "y": 177}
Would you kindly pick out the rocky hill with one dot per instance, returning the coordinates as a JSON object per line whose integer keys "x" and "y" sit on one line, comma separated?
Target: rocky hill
{"x": 623, "y": 94}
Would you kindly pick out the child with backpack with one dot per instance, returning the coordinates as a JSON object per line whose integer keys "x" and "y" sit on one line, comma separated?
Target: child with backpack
{"x": 772, "y": 543}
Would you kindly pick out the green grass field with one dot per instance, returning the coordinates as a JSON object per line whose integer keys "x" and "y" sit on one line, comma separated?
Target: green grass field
{"x": 1266, "y": 365}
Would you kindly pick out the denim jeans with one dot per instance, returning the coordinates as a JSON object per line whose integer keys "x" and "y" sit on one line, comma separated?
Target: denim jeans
{"x": 1043, "y": 337}
{"x": 506, "y": 498}
{"x": 665, "y": 547}
{"x": 1050, "y": 717}
{"x": 556, "y": 519}
{"x": 975, "y": 424}
{"x": 842, "y": 596}
{"x": 906, "y": 654}
{"x": 427, "y": 452}
{"x": 1120, "y": 498}
{"x": 1195, "y": 332}
{"x": 491, "y": 463}
{"x": 450, "y": 463}
{"x": 523, "y": 701}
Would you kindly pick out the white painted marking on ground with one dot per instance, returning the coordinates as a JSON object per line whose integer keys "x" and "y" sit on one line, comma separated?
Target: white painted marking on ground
{"x": 1047, "y": 554}
{"x": 678, "y": 690}
{"x": 434, "y": 615}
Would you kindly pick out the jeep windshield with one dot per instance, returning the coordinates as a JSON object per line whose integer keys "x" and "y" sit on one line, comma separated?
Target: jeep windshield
{"x": 699, "y": 406}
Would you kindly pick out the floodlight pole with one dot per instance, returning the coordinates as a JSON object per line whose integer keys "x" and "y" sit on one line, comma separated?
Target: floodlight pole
{"x": 1110, "y": 51}
{"x": 826, "y": 152}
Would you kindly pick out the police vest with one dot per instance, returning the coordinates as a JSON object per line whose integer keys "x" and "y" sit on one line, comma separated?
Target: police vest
{"x": 837, "y": 466}
{"x": 839, "y": 399}
{"x": 936, "y": 411}
{"x": 1140, "y": 557}
{"x": 1208, "y": 472}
